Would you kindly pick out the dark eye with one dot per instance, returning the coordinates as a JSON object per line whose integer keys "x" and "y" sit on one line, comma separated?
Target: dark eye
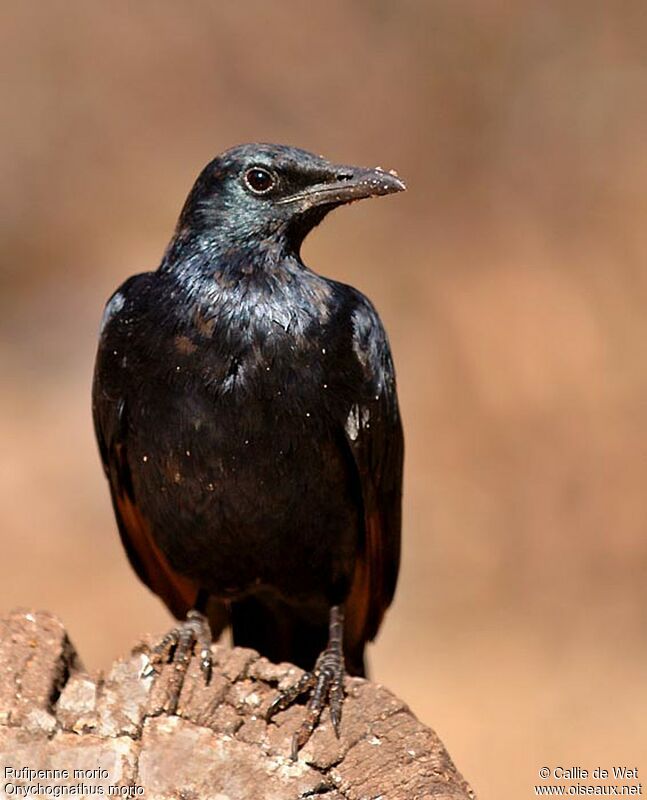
{"x": 259, "y": 180}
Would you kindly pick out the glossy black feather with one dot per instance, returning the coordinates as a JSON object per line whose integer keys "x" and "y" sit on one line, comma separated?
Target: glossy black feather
{"x": 247, "y": 407}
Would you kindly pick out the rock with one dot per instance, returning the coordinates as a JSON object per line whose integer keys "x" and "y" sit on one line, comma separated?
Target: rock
{"x": 111, "y": 736}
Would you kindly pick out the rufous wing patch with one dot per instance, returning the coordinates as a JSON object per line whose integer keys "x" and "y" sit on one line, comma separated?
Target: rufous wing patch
{"x": 366, "y": 603}
{"x": 178, "y": 592}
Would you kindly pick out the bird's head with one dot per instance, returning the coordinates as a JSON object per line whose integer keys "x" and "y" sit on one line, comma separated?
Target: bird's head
{"x": 257, "y": 193}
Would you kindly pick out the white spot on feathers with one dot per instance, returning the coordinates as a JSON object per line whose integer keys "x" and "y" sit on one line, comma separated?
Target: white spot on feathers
{"x": 358, "y": 418}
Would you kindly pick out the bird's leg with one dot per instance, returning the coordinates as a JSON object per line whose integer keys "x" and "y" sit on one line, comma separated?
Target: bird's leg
{"x": 325, "y": 683}
{"x": 177, "y": 647}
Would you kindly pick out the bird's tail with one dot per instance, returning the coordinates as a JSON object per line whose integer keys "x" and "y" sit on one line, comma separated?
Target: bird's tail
{"x": 280, "y": 634}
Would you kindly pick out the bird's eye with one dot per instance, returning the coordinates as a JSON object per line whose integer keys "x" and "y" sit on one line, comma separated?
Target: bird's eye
{"x": 259, "y": 180}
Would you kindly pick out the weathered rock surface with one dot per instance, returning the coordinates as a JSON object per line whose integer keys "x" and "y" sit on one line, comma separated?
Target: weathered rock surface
{"x": 109, "y": 734}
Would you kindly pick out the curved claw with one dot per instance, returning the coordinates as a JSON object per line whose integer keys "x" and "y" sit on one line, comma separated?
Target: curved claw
{"x": 148, "y": 670}
{"x": 336, "y": 699}
{"x": 206, "y": 664}
{"x": 287, "y": 697}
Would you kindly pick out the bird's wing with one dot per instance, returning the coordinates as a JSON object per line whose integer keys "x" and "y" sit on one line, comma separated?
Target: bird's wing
{"x": 110, "y": 413}
{"x": 374, "y": 434}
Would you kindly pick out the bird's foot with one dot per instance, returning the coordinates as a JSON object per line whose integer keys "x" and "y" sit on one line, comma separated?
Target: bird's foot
{"x": 325, "y": 684}
{"x": 177, "y": 648}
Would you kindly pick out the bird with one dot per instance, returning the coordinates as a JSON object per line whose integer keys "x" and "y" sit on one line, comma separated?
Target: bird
{"x": 246, "y": 414}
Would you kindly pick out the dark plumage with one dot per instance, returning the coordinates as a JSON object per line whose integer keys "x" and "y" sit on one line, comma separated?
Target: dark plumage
{"x": 247, "y": 418}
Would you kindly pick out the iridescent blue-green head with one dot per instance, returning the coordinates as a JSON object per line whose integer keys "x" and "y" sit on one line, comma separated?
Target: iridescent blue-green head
{"x": 258, "y": 193}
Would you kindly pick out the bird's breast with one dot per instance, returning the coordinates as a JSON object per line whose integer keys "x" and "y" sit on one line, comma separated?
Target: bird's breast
{"x": 250, "y": 344}
{"x": 235, "y": 405}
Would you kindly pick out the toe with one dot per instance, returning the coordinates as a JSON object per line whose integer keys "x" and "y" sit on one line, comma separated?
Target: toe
{"x": 285, "y": 699}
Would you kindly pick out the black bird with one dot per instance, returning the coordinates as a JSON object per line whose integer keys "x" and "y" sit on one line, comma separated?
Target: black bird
{"x": 247, "y": 418}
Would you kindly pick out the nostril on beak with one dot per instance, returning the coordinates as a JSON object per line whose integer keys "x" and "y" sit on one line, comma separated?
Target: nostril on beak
{"x": 344, "y": 176}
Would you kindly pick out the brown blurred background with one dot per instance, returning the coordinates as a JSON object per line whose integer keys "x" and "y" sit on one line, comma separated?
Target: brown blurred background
{"x": 511, "y": 278}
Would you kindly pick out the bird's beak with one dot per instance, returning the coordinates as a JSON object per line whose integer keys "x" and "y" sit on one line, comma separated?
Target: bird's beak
{"x": 347, "y": 184}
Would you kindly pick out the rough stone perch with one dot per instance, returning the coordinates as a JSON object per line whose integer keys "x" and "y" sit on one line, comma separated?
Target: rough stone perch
{"x": 108, "y": 735}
